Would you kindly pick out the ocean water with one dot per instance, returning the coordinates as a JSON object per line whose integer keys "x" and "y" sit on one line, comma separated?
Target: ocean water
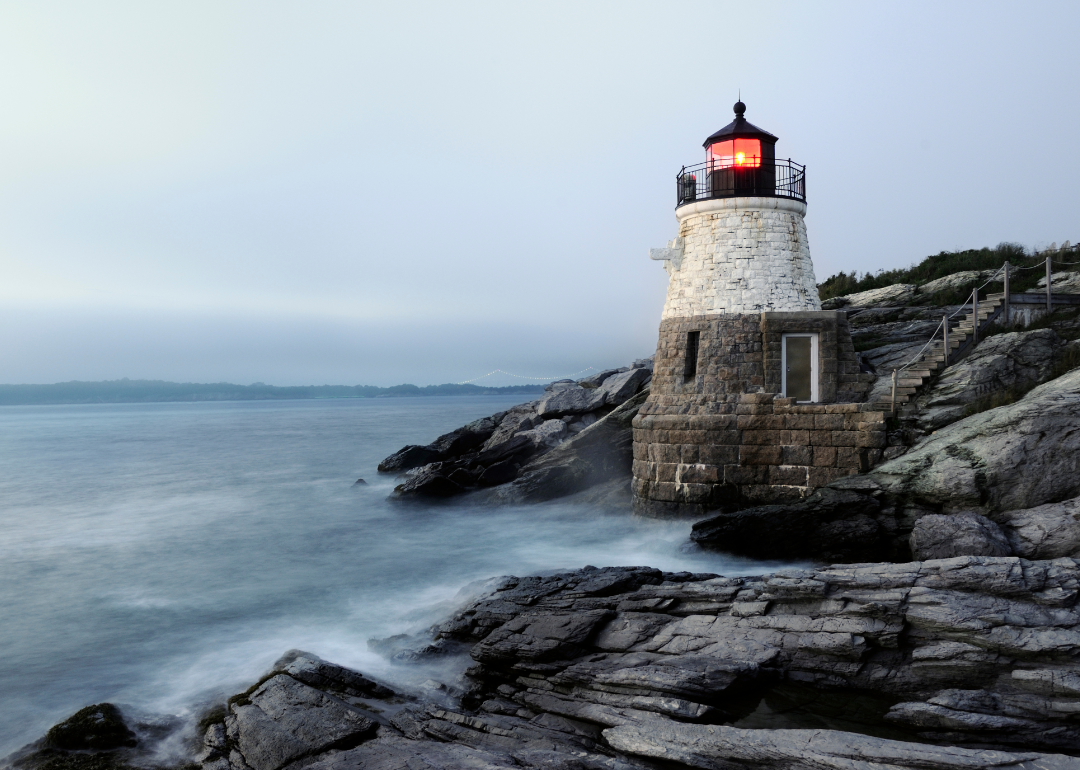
{"x": 162, "y": 556}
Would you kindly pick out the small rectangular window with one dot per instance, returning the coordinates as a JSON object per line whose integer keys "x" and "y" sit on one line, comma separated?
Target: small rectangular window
{"x": 692, "y": 341}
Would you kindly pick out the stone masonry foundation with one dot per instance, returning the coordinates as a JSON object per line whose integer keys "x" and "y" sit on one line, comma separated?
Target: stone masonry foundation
{"x": 765, "y": 449}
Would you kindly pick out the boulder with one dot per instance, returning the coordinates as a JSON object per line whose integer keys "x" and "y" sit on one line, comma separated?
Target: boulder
{"x": 520, "y": 418}
{"x": 721, "y": 746}
{"x": 596, "y": 380}
{"x": 547, "y": 434}
{"x": 1016, "y": 456}
{"x": 896, "y": 294}
{"x": 1000, "y": 364}
{"x": 318, "y": 673}
{"x": 829, "y": 525}
{"x": 284, "y": 720}
{"x": 429, "y": 481}
{"x": 95, "y": 728}
{"x": 1065, "y": 283}
{"x": 601, "y": 453}
{"x": 449, "y": 446}
{"x": 499, "y": 473}
{"x": 962, "y": 534}
{"x": 979, "y": 650}
{"x": 571, "y": 400}
{"x": 1048, "y": 531}
{"x": 559, "y": 385}
{"x": 965, "y": 279}
{"x": 622, "y": 386}
{"x": 407, "y": 458}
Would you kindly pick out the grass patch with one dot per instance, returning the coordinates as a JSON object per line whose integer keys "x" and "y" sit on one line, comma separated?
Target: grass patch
{"x": 213, "y": 716}
{"x": 244, "y": 698}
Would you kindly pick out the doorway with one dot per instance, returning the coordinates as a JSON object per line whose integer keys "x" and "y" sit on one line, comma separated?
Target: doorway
{"x": 799, "y": 367}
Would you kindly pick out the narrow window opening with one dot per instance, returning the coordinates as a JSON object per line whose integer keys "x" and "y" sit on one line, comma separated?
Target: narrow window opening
{"x": 692, "y": 341}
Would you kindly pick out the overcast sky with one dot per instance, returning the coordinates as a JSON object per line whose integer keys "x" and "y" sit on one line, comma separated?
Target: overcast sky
{"x": 378, "y": 193}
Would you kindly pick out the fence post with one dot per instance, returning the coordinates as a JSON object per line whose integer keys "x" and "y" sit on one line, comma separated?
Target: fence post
{"x": 1049, "y": 299}
{"x": 1006, "y": 293}
{"x": 945, "y": 324}
{"x": 893, "y": 391}
{"x": 975, "y": 311}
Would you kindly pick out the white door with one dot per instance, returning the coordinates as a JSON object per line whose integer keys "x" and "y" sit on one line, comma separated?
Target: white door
{"x": 800, "y": 367}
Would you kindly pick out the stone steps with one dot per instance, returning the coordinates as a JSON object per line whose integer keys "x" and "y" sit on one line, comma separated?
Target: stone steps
{"x": 933, "y": 360}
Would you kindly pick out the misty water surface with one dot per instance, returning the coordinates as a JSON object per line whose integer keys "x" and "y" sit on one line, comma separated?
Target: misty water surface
{"x": 161, "y": 555}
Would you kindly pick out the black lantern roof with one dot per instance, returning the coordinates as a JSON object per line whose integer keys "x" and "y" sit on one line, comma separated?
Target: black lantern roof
{"x": 740, "y": 128}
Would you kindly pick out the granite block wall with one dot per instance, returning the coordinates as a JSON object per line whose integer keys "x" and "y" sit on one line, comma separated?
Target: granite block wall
{"x": 766, "y": 449}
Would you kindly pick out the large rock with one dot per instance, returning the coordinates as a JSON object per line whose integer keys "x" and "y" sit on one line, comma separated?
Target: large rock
{"x": 830, "y": 525}
{"x": 1016, "y": 456}
{"x": 448, "y": 446}
{"x": 599, "y": 454}
{"x": 95, "y": 728}
{"x": 408, "y": 457}
{"x": 429, "y": 481}
{"x": 896, "y": 294}
{"x": 965, "y": 279}
{"x": 962, "y": 534}
{"x": 621, "y": 387}
{"x": 285, "y": 720}
{"x": 1064, "y": 283}
{"x": 719, "y": 746}
{"x": 519, "y": 418}
{"x": 1044, "y": 532}
{"x": 464, "y": 439}
{"x": 1002, "y": 364}
{"x": 571, "y": 400}
{"x": 596, "y": 380}
{"x": 979, "y": 651}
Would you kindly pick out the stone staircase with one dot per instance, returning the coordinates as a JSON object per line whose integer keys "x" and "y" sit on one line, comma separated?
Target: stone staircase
{"x": 933, "y": 359}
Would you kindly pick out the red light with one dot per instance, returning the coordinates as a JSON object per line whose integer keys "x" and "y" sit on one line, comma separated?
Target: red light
{"x": 735, "y": 152}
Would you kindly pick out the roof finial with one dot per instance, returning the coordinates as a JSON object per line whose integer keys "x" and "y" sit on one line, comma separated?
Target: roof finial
{"x": 740, "y": 108}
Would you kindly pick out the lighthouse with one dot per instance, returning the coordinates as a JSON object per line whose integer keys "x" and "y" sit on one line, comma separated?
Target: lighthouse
{"x": 756, "y": 394}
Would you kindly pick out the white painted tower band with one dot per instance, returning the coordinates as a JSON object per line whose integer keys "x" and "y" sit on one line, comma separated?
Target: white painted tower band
{"x": 739, "y": 255}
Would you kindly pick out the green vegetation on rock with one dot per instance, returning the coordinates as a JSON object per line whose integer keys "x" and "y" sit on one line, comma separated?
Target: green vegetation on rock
{"x": 938, "y": 266}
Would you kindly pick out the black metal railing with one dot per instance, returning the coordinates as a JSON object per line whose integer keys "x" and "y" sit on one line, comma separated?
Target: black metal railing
{"x": 773, "y": 178}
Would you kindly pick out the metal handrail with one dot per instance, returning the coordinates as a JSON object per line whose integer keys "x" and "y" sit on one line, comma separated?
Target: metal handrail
{"x": 771, "y": 178}
{"x": 974, "y": 296}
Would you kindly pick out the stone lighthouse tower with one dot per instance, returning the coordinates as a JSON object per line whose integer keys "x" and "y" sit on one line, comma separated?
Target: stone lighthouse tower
{"x": 755, "y": 389}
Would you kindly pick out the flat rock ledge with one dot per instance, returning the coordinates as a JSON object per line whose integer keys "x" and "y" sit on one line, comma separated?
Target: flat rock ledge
{"x": 967, "y": 662}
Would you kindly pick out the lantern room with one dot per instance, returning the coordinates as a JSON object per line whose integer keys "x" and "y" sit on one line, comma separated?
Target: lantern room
{"x": 740, "y": 159}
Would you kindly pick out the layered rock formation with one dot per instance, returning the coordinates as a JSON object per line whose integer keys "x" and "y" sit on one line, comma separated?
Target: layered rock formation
{"x": 955, "y": 663}
{"x": 588, "y": 420}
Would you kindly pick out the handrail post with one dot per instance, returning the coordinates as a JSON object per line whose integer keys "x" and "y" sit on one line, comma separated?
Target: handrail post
{"x": 1006, "y": 293}
{"x": 945, "y": 324}
{"x": 1049, "y": 299}
{"x": 975, "y": 319}
{"x": 893, "y": 391}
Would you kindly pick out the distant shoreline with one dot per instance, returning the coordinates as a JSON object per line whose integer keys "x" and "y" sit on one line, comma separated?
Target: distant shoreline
{"x": 158, "y": 391}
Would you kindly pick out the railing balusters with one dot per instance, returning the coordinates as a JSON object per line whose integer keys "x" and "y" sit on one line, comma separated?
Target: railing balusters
{"x": 705, "y": 180}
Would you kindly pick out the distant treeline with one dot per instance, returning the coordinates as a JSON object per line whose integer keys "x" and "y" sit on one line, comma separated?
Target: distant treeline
{"x": 142, "y": 391}
{"x": 931, "y": 268}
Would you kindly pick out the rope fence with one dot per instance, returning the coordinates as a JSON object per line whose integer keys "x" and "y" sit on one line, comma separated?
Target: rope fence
{"x": 973, "y": 304}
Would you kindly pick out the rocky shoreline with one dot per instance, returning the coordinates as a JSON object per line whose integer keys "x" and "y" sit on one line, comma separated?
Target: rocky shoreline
{"x": 944, "y": 634}
{"x": 969, "y": 662}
